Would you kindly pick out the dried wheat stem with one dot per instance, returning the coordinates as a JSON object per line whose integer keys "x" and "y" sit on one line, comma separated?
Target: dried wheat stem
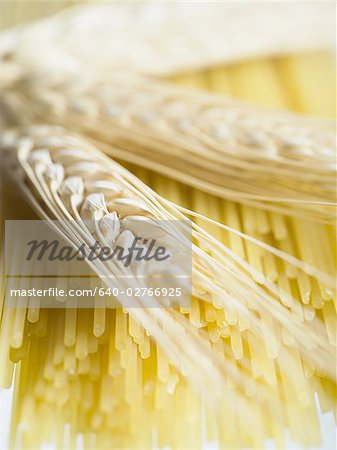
{"x": 160, "y": 38}
{"x": 275, "y": 160}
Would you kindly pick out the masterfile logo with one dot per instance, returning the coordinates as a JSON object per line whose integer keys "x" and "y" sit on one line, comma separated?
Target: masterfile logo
{"x": 139, "y": 250}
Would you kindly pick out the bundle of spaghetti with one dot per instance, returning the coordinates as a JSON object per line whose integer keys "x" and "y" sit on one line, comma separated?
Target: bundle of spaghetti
{"x": 275, "y": 160}
{"x": 230, "y": 335}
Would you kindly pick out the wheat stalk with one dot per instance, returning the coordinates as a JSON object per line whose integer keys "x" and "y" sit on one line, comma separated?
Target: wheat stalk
{"x": 275, "y": 160}
{"x": 168, "y": 37}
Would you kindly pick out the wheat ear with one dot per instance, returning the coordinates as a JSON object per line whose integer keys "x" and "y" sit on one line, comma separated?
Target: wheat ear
{"x": 161, "y": 38}
{"x": 275, "y": 160}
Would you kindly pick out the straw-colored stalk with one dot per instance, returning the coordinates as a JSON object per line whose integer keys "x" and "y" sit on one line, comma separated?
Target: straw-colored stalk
{"x": 162, "y": 38}
{"x": 270, "y": 159}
